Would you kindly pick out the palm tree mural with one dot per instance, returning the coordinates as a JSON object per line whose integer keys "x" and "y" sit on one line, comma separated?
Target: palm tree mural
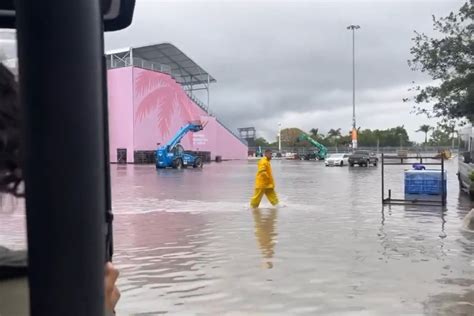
{"x": 159, "y": 95}
{"x": 425, "y": 129}
{"x": 154, "y": 97}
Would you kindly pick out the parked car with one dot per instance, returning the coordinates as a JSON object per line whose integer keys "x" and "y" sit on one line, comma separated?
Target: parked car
{"x": 337, "y": 160}
{"x": 310, "y": 156}
{"x": 363, "y": 158}
{"x": 276, "y": 155}
{"x": 291, "y": 156}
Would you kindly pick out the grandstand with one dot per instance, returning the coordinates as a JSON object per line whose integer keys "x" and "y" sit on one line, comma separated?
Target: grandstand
{"x": 152, "y": 93}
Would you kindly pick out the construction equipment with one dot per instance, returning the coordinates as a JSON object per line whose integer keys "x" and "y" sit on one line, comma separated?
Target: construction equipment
{"x": 445, "y": 153}
{"x": 172, "y": 154}
{"x": 322, "y": 150}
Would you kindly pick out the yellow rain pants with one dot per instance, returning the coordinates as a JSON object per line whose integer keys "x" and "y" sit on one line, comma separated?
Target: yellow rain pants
{"x": 258, "y": 195}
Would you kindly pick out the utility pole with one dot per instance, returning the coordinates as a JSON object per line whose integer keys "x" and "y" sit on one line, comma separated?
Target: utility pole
{"x": 279, "y": 137}
{"x": 354, "y": 126}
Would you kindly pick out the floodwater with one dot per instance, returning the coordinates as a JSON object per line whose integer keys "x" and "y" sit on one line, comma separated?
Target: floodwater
{"x": 188, "y": 244}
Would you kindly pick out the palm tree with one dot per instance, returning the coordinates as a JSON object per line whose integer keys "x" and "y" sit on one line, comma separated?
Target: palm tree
{"x": 450, "y": 129}
{"x": 314, "y": 132}
{"x": 425, "y": 129}
{"x": 334, "y": 133}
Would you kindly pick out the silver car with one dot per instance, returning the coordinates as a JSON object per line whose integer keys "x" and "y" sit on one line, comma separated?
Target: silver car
{"x": 337, "y": 160}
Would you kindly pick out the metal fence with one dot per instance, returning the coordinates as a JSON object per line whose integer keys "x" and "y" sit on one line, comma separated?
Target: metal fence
{"x": 379, "y": 150}
{"x": 139, "y": 62}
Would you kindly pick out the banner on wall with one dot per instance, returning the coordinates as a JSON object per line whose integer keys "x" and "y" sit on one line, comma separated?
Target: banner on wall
{"x": 199, "y": 139}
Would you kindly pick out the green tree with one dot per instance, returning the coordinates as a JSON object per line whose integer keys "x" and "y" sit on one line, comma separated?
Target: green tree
{"x": 367, "y": 138}
{"x": 334, "y": 133}
{"x": 345, "y": 139}
{"x": 398, "y": 136}
{"x": 439, "y": 137}
{"x": 314, "y": 132}
{"x": 290, "y": 137}
{"x": 450, "y": 128}
{"x": 333, "y": 136}
{"x": 391, "y": 137}
{"x": 425, "y": 129}
{"x": 261, "y": 142}
{"x": 449, "y": 59}
{"x": 320, "y": 138}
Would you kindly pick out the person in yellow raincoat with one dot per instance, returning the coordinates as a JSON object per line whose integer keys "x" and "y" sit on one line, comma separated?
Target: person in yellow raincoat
{"x": 264, "y": 183}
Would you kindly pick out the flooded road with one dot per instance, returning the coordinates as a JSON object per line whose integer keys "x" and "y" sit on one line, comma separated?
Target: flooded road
{"x": 188, "y": 244}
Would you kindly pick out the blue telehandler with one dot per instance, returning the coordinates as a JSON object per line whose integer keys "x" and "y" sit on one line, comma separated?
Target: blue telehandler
{"x": 172, "y": 154}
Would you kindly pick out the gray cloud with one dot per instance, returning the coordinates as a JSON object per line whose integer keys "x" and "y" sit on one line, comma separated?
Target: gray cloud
{"x": 290, "y": 61}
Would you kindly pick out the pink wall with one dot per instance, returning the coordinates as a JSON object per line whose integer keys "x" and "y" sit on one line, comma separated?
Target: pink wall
{"x": 120, "y": 111}
{"x": 161, "y": 108}
{"x": 156, "y": 110}
{"x": 206, "y": 140}
{"x": 219, "y": 141}
{"x": 229, "y": 146}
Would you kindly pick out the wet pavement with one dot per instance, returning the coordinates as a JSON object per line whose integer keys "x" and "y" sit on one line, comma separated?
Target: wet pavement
{"x": 188, "y": 244}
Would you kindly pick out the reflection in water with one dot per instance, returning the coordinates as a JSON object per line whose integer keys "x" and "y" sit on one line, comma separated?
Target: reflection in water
{"x": 449, "y": 303}
{"x": 265, "y": 233}
{"x": 161, "y": 262}
{"x": 395, "y": 245}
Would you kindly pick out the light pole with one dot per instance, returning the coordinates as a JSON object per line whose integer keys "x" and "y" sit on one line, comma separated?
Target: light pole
{"x": 279, "y": 137}
{"x": 354, "y": 126}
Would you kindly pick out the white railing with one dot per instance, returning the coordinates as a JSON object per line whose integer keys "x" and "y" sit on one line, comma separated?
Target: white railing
{"x": 115, "y": 62}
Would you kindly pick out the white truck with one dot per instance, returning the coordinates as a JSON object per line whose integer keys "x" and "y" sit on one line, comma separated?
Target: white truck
{"x": 466, "y": 160}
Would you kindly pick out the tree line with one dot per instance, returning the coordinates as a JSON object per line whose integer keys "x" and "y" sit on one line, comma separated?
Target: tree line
{"x": 441, "y": 135}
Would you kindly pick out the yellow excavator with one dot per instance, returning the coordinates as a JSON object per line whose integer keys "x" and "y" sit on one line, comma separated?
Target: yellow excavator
{"x": 445, "y": 154}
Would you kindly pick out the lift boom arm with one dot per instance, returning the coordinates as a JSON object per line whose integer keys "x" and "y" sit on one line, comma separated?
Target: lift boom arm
{"x": 190, "y": 127}
{"x": 323, "y": 151}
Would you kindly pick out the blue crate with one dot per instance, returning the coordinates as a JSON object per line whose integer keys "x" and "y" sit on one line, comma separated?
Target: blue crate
{"x": 424, "y": 182}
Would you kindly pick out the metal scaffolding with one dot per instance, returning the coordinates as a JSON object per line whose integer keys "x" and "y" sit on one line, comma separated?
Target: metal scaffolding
{"x": 247, "y": 132}
{"x": 387, "y": 160}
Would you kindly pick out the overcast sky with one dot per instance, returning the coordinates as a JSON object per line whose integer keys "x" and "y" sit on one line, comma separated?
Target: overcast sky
{"x": 291, "y": 61}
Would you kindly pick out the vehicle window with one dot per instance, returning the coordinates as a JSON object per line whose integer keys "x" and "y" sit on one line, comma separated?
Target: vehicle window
{"x": 8, "y": 55}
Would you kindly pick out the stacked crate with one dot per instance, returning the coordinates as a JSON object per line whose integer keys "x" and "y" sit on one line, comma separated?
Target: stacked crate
{"x": 426, "y": 182}
{"x": 145, "y": 156}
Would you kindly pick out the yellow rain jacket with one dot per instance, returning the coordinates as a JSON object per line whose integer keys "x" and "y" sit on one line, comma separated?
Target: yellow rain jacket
{"x": 264, "y": 177}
